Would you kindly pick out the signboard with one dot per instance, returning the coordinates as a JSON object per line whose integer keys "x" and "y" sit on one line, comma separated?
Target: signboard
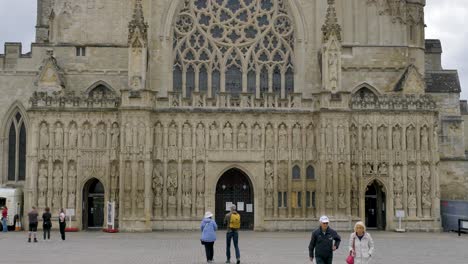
{"x": 240, "y": 206}
{"x": 464, "y": 224}
{"x": 228, "y": 206}
{"x": 249, "y": 208}
{"x": 110, "y": 214}
{"x": 400, "y": 213}
{"x": 70, "y": 212}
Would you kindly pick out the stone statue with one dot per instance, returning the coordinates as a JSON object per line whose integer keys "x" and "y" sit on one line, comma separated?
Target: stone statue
{"x": 424, "y": 139}
{"x": 410, "y": 135}
{"x": 341, "y": 139}
{"x": 200, "y": 178}
{"x": 158, "y": 180}
{"x": 242, "y": 137}
{"x": 333, "y": 71}
{"x": 329, "y": 201}
{"x": 283, "y": 137}
{"x": 187, "y": 178}
{"x": 42, "y": 185}
{"x": 172, "y": 135}
{"x": 329, "y": 138}
{"x": 354, "y": 179}
{"x": 227, "y": 131}
{"x": 310, "y": 137}
{"x": 172, "y": 177}
{"x": 141, "y": 136}
{"x": 73, "y": 136}
{"x": 128, "y": 176}
{"x": 396, "y": 134}
{"x": 341, "y": 177}
{"x": 187, "y": 136}
{"x": 412, "y": 201}
{"x": 329, "y": 181}
{"x": 397, "y": 180}
{"x": 383, "y": 170}
{"x": 115, "y": 136}
{"x": 58, "y": 186}
{"x": 86, "y": 135}
{"x": 101, "y": 136}
{"x": 398, "y": 201}
{"x": 200, "y": 136}
{"x": 411, "y": 179}
{"x": 342, "y": 200}
{"x": 141, "y": 176}
{"x": 158, "y": 135}
{"x": 268, "y": 178}
{"x": 214, "y": 137}
{"x": 297, "y": 140}
{"x": 269, "y": 137}
{"x": 367, "y": 138}
{"x": 426, "y": 178}
{"x": 426, "y": 201}
{"x": 187, "y": 200}
{"x": 59, "y": 135}
{"x": 257, "y": 137}
{"x": 382, "y": 138}
{"x": 71, "y": 185}
{"x": 44, "y": 136}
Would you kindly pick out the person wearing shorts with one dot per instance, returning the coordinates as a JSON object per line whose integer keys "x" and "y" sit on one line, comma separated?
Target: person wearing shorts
{"x": 33, "y": 216}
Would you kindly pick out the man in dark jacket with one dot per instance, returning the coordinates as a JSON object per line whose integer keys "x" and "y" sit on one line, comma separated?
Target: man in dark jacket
{"x": 322, "y": 242}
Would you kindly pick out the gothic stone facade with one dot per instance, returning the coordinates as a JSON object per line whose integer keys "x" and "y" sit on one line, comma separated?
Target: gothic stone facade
{"x": 314, "y": 101}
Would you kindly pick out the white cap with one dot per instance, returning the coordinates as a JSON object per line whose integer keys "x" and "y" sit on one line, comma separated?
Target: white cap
{"x": 208, "y": 214}
{"x": 324, "y": 219}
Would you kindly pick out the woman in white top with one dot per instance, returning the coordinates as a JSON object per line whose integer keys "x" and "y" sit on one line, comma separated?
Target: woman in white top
{"x": 361, "y": 244}
{"x": 62, "y": 223}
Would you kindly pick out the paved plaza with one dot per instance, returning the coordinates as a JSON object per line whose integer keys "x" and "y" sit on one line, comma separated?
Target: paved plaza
{"x": 256, "y": 247}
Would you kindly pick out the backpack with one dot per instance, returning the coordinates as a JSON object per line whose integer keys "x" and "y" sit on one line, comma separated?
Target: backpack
{"x": 234, "y": 221}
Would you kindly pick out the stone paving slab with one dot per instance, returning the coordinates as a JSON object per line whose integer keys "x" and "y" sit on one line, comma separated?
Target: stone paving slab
{"x": 256, "y": 248}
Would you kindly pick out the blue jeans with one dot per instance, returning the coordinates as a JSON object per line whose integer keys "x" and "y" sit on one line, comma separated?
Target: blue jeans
{"x": 4, "y": 224}
{"x": 235, "y": 236}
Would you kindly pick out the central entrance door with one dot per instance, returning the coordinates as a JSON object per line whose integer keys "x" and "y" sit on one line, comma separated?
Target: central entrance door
{"x": 235, "y": 187}
{"x": 93, "y": 204}
{"x": 375, "y": 206}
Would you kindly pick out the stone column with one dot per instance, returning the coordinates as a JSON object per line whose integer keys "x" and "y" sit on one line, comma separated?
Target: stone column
{"x": 165, "y": 161}
{"x": 179, "y": 169}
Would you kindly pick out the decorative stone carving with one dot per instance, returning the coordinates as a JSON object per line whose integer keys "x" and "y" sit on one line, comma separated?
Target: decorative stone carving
{"x": 44, "y": 136}
{"x": 214, "y": 136}
{"x": 329, "y": 138}
{"x": 242, "y": 137}
{"x": 396, "y": 136}
{"x": 268, "y": 178}
{"x": 410, "y": 138}
{"x": 157, "y": 185}
{"x": 412, "y": 178}
{"x": 354, "y": 138}
{"x": 341, "y": 139}
{"x": 342, "y": 200}
{"x": 73, "y": 135}
{"x": 172, "y": 142}
{"x": 200, "y": 178}
{"x": 424, "y": 139}
{"x": 227, "y": 133}
{"x": 101, "y": 136}
{"x": 269, "y": 137}
{"x": 58, "y": 135}
{"x": 58, "y": 186}
{"x": 71, "y": 185}
{"x": 42, "y": 185}
{"x": 187, "y": 178}
{"x": 397, "y": 179}
{"x": 282, "y": 137}
{"x": 282, "y": 177}
{"x": 382, "y": 138}
{"x": 329, "y": 180}
{"x": 187, "y": 136}
{"x": 425, "y": 178}
{"x": 172, "y": 178}
{"x": 256, "y": 137}
{"x": 383, "y": 169}
{"x": 158, "y": 135}
{"x": 297, "y": 137}
{"x": 341, "y": 177}
{"x": 367, "y": 137}
{"x": 200, "y": 136}
{"x": 114, "y": 181}
{"x": 86, "y": 135}
{"x": 115, "y": 136}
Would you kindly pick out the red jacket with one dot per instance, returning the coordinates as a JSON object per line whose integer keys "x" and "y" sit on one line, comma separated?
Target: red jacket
{"x": 5, "y": 212}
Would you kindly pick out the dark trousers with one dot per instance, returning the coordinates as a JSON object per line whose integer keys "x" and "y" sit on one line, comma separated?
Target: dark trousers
{"x": 209, "y": 250}
{"x": 234, "y": 235}
{"x": 320, "y": 260}
{"x": 62, "y": 229}
{"x": 46, "y": 232}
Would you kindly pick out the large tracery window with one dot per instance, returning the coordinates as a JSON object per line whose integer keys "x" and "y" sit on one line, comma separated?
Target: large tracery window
{"x": 17, "y": 149}
{"x": 233, "y": 46}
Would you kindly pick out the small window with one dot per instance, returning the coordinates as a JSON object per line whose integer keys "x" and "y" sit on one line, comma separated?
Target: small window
{"x": 285, "y": 199}
{"x": 280, "y": 199}
{"x": 296, "y": 173}
{"x": 310, "y": 173}
{"x": 80, "y": 51}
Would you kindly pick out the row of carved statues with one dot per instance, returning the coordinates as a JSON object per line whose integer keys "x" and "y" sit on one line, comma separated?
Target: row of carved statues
{"x": 240, "y": 136}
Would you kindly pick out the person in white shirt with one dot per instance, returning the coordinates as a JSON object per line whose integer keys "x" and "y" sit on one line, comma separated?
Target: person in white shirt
{"x": 62, "y": 223}
{"x": 361, "y": 244}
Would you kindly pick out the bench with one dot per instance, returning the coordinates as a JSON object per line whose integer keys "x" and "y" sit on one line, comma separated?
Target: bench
{"x": 462, "y": 226}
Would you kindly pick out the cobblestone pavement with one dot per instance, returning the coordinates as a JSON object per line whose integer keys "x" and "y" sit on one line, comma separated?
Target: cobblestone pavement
{"x": 256, "y": 247}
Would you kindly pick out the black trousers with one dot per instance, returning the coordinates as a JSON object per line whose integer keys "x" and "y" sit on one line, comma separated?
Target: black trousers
{"x": 46, "y": 232}
{"x": 209, "y": 250}
{"x": 62, "y": 229}
{"x": 320, "y": 260}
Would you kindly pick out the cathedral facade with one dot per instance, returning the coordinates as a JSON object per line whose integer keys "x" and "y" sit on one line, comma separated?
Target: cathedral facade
{"x": 289, "y": 109}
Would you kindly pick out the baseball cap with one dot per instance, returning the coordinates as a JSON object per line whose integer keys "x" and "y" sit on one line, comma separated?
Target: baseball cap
{"x": 324, "y": 219}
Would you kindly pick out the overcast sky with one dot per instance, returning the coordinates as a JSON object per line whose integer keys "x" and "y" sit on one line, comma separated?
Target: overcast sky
{"x": 446, "y": 20}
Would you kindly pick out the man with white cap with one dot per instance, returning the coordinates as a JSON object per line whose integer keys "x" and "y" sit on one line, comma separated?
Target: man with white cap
{"x": 322, "y": 242}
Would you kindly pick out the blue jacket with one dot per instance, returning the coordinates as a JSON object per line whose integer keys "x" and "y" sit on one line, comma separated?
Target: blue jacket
{"x": 208, "y": 227}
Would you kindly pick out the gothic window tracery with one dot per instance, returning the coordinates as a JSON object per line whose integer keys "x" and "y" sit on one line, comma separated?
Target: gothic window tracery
{"x": 17, "y": 149}
{"x": 233, "y": 46}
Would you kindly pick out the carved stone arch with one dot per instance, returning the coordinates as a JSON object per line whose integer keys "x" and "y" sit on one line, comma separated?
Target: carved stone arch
{"x": 371, "y": 181}
{"x": 366, "y": 85}
{"x": 238, "y": 167}
{"x": 16, "y": 107}
{"x": 100, "y": 83}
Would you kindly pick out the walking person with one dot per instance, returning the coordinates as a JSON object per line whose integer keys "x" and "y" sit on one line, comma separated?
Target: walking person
{"x": 208, "y": 236}
{"x": 62, "y": 223}
{"x": 232, "y": 221}
{"x": 5, "y": 219}
{"x": 32, "y": 216}
{"x": 361, "y": 244}
{"x": 324, "y": 241}
{"x": 46, "y": 223}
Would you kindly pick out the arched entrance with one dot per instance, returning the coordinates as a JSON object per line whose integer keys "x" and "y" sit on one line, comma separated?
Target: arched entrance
{"x": 375, "y": 206}
{"x": 93, "y": 204}
{"x": 235, "y": 187}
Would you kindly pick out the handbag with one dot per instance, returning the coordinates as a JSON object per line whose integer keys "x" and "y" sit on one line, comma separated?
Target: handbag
{"x": 350, "y": 258}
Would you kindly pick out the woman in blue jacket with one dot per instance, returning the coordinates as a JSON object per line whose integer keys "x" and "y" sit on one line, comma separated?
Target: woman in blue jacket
{"x": 208, "y": 236}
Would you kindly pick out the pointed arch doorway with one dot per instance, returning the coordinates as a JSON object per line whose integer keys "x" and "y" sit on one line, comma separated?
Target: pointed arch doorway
{"x": 375, "y": 206}
{"x": 93, "y": 204}
{"x": 234, "y": 186}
